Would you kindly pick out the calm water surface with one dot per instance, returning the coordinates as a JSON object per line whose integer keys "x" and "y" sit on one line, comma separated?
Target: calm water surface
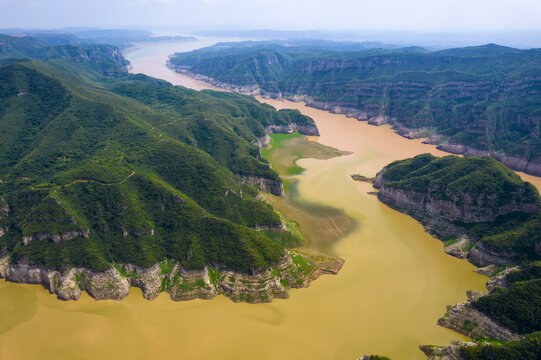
{"x": 394, "y": 285}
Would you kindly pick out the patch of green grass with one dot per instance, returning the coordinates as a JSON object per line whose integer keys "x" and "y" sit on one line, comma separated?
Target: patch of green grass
{"x": 469, "y": 325}
{"x": 286, "y": 149}
{"x": 166, "y": 284}
{"x": 166, "y": 267}
{"x": 451, "y": 242}
{"x": 214, "y": 276}
{"x": 290, "y": 238}
{"x": 499, "y": 270}
{"x": 82, "y": 280}
{"x": 121, "y": 270}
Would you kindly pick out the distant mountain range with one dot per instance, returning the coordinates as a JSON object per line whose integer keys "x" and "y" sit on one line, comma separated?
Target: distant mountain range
{"x": 76, "y": 36}
{"x": 482, "y": 100}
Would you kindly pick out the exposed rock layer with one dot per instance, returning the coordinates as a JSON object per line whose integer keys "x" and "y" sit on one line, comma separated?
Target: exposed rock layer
{"x": 170, "y": 277}
{"x": 465, "y": 319}
{"x": 451, "y": 352}
{"x": 440, "y": 216}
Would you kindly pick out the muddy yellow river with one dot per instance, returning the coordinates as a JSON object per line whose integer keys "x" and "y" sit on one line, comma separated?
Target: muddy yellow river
{"x": 395, "y": 284}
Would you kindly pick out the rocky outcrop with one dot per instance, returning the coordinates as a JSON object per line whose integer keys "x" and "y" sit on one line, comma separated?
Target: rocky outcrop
{"x": 448, "y": 198}
{"x": 465, "y": 319}
{"x": 451, "y": 352}
{"x": 263, "y": 141}
{"x": 275, "y": 187}
{"x": 305, "y": 129}
{"x": 413, "y": 204}
{"x": 69, "y": 286}
{"x": 500, "y": 280}
{"x": 4, "y": 263}
{"x": 171, "y": 277}
{"x": 136, "y": 232}
{"x": 274, "y": 227}
{"x": 57, "y": 237}
{"x": 359, "y": 177}
{"x": 459, "y": 248}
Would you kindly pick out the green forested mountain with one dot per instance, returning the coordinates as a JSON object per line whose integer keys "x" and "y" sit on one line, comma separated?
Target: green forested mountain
{"x": 485, "y": 97}
{"x": 475, "y": 196}
{"x": 98, "y": 166}
{"x": 518, "y": 308}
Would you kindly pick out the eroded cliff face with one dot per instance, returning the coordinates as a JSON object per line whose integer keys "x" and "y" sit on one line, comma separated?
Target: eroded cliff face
{"x": 56, "y": 237}
{"x": 442, "y": 211}
{"x": 454, "y": 206}
{"x": 518, "y": 163}
{"x": 481, "y": 255}
{"x": 293, "y": 271}
{"x": 304, "y": 129}
{"x": 275, "y": 187}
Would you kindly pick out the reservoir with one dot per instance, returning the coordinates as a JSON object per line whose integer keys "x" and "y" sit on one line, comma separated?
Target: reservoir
{"x": 395, "y": 283}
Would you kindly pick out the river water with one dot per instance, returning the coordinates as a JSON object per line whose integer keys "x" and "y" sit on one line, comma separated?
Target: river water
{"x": 395, "y": 284}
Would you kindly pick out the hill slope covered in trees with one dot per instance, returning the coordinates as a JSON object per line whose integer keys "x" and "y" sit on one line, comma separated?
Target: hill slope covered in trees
{"x": 101, "y": 167}
{"x": 482, "y": 100}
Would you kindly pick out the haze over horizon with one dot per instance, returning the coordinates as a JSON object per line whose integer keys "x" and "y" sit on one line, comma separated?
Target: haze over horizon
{"x": 350, "y": 15}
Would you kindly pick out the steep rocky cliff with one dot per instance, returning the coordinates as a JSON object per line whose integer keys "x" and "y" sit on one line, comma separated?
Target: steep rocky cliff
{"x": 478, "y": 206}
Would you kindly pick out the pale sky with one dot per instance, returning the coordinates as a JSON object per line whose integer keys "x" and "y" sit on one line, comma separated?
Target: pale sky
{"x": 377, "y": 15}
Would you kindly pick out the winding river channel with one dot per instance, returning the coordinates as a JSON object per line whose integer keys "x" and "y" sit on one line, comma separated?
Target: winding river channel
{"x": 386, "y": 300}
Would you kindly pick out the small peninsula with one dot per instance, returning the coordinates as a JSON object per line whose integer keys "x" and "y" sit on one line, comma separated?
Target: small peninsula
{"x": 484, "y": 212}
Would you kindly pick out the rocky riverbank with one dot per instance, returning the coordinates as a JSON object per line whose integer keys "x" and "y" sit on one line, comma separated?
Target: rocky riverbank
{"x": 295, "y": 270}
{"x": 479, "y": 209}
{"x": 465, "y": 319}
{"x": 450, "y": 352}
